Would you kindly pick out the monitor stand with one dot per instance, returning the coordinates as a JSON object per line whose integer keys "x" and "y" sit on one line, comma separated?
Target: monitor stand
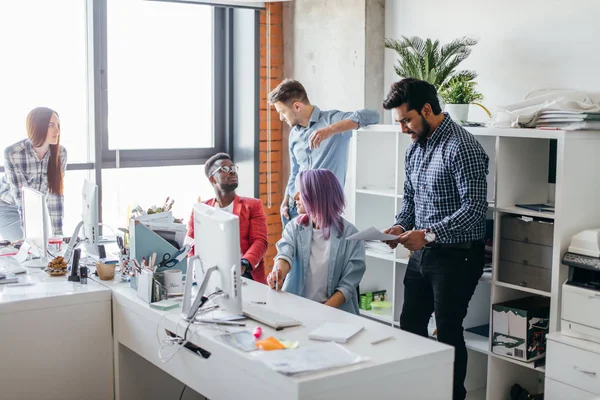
{"x": 189, "y": 310}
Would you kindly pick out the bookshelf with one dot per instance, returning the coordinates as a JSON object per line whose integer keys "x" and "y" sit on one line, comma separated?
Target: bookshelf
{"x": 518, "y": 173}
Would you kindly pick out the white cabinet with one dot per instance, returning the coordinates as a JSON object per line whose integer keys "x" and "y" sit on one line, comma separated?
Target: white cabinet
{"x": 559, "y": 391}
{"x": 518, "y": 173}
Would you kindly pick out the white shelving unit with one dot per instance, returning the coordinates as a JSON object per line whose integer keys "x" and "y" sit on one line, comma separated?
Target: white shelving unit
{"x": 518, "y": 173}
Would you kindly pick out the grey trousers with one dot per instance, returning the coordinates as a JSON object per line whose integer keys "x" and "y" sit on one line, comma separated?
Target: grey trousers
{"x": 11, "y": 226}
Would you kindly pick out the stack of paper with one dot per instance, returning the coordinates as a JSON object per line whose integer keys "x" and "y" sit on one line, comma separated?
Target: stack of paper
{"x": 316, "y": 357}
{"x": 568, "y": 120}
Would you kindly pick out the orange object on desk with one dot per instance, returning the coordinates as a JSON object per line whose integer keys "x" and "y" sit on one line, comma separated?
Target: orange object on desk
{"x": 269, "y": 343}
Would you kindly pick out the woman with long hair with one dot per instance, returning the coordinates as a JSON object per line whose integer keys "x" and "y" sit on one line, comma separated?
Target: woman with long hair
{"x": 38, "y": 162}
{"x": 314, "y": 258}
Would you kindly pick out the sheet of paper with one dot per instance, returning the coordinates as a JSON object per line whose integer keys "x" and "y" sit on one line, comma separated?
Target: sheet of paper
{"x": 312, "y": 358}
{"x": 371, "y": 234}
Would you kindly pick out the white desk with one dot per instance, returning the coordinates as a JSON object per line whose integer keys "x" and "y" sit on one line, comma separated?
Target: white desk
{"x": 409, "y": 367}
{"x": 55, "y": 340}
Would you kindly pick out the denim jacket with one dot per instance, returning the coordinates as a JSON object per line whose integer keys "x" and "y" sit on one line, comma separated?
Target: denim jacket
{"x": 346, "y": 261}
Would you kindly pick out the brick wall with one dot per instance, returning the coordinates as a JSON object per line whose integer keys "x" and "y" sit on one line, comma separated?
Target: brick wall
{"x": 275, "y": 190}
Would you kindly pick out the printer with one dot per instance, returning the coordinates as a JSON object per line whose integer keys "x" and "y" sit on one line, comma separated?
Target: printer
{"x": 581, "y": 292}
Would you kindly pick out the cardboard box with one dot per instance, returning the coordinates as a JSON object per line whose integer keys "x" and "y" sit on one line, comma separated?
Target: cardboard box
{"x": 519, "y": 328}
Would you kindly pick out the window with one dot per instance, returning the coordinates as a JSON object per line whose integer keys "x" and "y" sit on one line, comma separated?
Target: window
{"x": 44, "y": 55}
{"x": 127, "y": 188}
{"x": 160, "y": 75}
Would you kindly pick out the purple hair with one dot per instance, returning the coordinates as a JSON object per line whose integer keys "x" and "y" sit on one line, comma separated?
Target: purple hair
{"x": 323, "y": 198}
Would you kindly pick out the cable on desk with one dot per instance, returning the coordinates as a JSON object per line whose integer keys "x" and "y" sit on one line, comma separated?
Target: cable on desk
{"x": 183, "y": 390}
{"x": 178, "y": 339}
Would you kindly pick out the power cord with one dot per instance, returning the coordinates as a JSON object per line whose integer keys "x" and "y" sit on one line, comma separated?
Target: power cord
{"x": 177, "y": 339}
{"x": 183, "y": 390}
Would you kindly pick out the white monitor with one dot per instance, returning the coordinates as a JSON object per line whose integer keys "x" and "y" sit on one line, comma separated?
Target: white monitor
{"x": 87, "y": 228}
{"x": 35, "y": 226}
{"x": 89, "y": 216}
{"x": 217, "y": 248}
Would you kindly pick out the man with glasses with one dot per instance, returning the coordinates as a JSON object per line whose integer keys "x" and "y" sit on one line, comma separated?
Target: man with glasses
{"x": 222, "y": 174}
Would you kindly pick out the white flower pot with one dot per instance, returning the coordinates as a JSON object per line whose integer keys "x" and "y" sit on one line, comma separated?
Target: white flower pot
{"x": 458, "y": 112}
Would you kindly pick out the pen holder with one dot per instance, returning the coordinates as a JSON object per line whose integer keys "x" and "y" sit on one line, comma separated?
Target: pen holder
{"x": 106, "y": 272}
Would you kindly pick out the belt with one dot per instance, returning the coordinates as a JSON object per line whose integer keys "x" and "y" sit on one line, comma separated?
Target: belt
{"x": 464, "y": 245}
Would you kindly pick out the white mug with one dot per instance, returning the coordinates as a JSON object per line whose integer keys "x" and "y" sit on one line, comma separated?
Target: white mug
{"x": 173, "y": 279}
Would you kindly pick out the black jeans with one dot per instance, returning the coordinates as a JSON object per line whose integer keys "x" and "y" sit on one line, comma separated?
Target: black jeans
{"x": 442, "y": 280}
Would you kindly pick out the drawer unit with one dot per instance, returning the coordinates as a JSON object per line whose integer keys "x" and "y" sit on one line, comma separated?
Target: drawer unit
{"x": 573, "y": 366}
{"x": 526, "y": 253}
{"x": 535, "y": 232}
{"x": 525, "y": 275}
{"x": 554, "y": 390}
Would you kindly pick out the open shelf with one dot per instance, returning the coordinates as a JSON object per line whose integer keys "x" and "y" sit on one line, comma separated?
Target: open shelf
{"x": 529, "y": 365}
{"x": 523, "y": 289}
{"x": 477, "y": 342}
{"x": 523, "y": 211}
{"x": 387, "y": 192}
{"x": 379, "y": 317}
{"x": 477, "y": 394}
{"x": 382, "y": 256}
{"x": 486, "y": 277}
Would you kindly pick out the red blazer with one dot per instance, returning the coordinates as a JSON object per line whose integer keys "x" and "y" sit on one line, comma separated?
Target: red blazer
{"x": 253, "y": 232}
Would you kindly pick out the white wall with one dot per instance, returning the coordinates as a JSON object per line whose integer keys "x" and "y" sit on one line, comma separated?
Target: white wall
{"x": 329, "y": 47}
{"x": 524, "y": 45}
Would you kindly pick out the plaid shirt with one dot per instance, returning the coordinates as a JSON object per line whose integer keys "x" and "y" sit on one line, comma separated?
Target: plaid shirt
{"x": 446, "y": 188}
{"x": 22, "y": 167}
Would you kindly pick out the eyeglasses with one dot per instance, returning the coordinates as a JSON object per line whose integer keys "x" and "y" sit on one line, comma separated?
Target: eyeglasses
{"x": 227, "y": 169}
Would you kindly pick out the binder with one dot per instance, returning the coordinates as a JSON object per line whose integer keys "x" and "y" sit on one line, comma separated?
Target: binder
{"x": 144, "y": 242}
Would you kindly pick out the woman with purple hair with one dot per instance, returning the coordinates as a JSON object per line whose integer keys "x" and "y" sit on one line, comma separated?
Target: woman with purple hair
{"x": 314, "y": 259}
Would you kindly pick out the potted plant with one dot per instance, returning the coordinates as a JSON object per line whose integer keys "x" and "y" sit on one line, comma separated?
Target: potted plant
{"x": 458, "y": 94}
{"x": 430, "y": 61}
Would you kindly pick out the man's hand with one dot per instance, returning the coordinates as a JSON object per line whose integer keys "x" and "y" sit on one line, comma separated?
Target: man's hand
{"x": 413, "y": 240}
{"x": 284, "y": 211}
{"x": 318, "y": 136}
{"x": 396, "y": 230}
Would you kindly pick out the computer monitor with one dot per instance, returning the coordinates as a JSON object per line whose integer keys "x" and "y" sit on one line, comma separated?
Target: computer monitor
{"x": 89, "y": 216}
{"x": 87, "y": 228}
{"x": 35, "y": 226}
{"x": 217, "y": 248}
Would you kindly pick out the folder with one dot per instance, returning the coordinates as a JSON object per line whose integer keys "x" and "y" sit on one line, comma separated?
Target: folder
{"x": 144, "y": 242}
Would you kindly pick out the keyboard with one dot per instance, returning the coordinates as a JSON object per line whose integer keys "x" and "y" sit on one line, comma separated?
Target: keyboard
{"x": 9, "y": 266}
{"x": 268, "y": 317}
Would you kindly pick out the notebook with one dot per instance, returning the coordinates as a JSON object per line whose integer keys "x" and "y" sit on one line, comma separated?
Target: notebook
{"x": 335, "y": 332}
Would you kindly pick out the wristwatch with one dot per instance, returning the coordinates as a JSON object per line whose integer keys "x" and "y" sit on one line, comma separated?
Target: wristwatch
{"x": 246, "y": 264}
{"x": 429, "y": 235}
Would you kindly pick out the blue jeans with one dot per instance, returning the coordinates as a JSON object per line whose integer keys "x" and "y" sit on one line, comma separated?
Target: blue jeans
{"x": 442, "y": 280}
{"x": 11, "y": 227}
{"x": 292, "y": 211}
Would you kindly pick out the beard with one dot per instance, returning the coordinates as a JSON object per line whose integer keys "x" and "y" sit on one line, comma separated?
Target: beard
{"x": 425, "y": 131}
{"x": 228, "y": 187}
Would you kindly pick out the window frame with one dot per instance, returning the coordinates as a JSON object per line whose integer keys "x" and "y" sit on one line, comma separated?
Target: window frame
{"x": 132, "y": 158}
{"x": 99, "y": 155}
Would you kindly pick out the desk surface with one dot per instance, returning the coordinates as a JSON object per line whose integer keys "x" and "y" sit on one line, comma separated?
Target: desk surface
{"x": 407, "y": 352}
{"x": 48, "y": 291}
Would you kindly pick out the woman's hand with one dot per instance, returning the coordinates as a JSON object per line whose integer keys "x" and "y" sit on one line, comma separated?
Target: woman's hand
{"x": 276, "y": 277}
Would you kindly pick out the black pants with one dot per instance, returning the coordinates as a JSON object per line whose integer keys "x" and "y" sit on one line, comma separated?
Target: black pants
{"x": 442, "y": 280}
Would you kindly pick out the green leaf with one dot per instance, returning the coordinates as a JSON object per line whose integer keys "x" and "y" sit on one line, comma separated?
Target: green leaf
{"x": 428, "y": 60}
